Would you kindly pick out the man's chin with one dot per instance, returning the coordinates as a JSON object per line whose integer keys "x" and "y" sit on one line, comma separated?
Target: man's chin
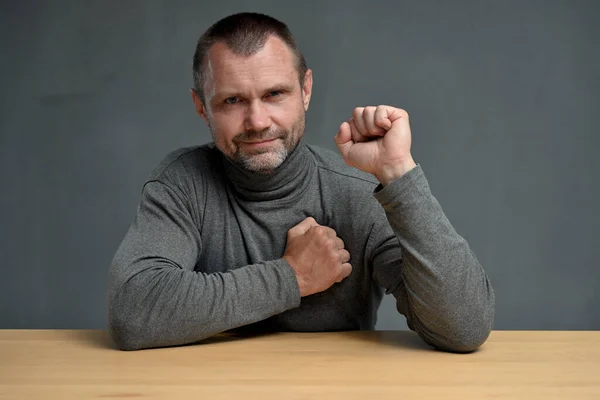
{"x": 263, "y": 163}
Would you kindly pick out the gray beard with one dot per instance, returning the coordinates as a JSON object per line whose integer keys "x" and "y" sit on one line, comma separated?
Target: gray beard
{"x": 252, "y": 162}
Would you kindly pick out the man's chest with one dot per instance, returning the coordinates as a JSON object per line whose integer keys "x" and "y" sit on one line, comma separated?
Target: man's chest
{"x": 236, "y": 233}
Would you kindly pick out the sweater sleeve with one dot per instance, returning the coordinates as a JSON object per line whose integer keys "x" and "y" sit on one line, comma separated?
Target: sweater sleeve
{"x": 438, "y": 283}
{"x": 155, "y": 298}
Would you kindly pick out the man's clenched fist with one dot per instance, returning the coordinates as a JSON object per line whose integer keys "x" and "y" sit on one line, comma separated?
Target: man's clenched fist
{"x": 317, "y": 256}
{"x": 377, "y": 140}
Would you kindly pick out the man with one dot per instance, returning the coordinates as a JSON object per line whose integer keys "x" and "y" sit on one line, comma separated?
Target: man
{"x": 259, "y": 231}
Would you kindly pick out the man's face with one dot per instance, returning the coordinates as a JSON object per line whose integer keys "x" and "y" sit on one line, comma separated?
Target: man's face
{"x": 254, "y": 106}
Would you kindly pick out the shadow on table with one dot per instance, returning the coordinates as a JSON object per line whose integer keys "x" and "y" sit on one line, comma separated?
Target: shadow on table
{"x": 93, "y": 338}
{"x": 101, "y": 338}
{"x": 403, "y": 339}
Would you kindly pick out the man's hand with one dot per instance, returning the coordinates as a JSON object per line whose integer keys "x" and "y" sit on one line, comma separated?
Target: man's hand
{"x": 317, "y": 256}
{"x": 377, "y": 140}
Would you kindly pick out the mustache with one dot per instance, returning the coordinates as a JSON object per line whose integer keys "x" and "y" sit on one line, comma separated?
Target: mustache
{"x": 256, "y": 136}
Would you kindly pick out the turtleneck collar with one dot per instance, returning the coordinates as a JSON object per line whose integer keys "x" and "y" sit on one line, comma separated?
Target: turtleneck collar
{"x": 288, "y": 180}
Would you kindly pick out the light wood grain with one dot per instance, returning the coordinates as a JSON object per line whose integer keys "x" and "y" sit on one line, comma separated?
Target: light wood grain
{"x": 342, "y": 365}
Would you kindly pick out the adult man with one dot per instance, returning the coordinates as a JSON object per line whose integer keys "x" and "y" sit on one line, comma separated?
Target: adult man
{"x": 260, "y": 231}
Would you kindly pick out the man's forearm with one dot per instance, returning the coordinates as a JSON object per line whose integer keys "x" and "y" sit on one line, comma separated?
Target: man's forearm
{"x": 165, "y": 305}
{"x": 450, "y": 299}
{"x": 155, "y": 298}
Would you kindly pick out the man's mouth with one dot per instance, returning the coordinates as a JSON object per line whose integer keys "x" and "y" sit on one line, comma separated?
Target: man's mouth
{"x": 259, "y": 142}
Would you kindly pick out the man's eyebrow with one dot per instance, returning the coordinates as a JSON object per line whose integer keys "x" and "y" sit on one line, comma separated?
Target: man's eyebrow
{"x": 225, "y": 94}
{"x": 283, "y": 87}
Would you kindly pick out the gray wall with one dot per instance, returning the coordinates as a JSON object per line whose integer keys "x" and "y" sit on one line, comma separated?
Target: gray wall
{"x": 504, "y": 99}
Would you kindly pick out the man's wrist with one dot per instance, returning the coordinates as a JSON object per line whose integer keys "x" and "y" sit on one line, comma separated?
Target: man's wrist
{"x": 301, "y": 283}
{"x": 395, "y": 171}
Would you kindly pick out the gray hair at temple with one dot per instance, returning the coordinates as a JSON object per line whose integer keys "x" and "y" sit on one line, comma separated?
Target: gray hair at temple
{"x": 245, "y": 34}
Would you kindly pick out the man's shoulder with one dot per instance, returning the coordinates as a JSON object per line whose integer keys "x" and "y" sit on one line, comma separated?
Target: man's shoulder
{"x": 332, "y": 165}
{"x": 185, "y": 162}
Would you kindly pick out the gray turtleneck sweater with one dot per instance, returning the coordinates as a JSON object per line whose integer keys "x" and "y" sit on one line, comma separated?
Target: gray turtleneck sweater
{"x": 204, "y": 254}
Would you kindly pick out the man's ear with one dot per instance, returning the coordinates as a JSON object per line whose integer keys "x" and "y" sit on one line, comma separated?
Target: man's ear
{"x": 199, "y": 105}
{"x": 307, "y": 88}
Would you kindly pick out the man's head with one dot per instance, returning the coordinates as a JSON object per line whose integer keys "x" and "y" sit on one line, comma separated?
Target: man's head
{"x": 252, "y": 87}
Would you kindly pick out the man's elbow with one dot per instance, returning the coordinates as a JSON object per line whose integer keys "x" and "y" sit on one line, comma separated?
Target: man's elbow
{"x": 457, "y": 335}
{"x": 466, "y": 342}
{"x": 126, "y": 332}
{"x": 127, "y": 327}
{"x": 130, "y": 325}
{"x": 465, "y": 336}
{"x": 470, "y": 329}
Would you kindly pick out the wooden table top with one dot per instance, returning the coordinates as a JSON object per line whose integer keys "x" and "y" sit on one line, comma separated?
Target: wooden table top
{"x": 83, "y": 364}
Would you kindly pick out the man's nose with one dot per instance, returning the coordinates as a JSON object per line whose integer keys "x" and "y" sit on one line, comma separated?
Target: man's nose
{"x": 257, "y": 118}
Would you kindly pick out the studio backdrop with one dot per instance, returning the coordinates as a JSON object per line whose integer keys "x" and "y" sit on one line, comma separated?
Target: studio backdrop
{"x": 503, "y": 96}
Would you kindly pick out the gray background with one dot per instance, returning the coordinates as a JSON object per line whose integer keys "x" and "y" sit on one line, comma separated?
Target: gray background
{"x": 504, "y": 99}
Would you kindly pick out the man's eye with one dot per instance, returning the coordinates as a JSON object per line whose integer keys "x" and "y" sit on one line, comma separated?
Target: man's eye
{"x": 275, "y": 93}
{"x": 231, "y": 100}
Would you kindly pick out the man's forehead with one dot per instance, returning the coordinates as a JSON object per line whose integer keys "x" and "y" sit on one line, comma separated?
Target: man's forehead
{"x": 274, "y": 58}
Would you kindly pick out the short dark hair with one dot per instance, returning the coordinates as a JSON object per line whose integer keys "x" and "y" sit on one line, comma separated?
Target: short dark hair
{"x": 245, "y": 34}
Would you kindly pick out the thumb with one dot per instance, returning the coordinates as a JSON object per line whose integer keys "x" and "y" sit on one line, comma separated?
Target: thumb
{"x": 302, "y": 227}
{"x": 343, "y": 139}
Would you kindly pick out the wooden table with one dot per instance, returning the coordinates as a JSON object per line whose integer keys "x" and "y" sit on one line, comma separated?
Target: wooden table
{"x": 343, "y": 365}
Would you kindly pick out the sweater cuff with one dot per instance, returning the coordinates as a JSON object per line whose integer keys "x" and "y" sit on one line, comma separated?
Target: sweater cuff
{"x": 289, "y": 283}
{"x": 410, "y": 188}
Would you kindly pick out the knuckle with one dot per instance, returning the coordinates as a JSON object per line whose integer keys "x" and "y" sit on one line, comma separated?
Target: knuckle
{"x": 320, "y": 232}
{"x": 346, "y": 256}
{"x": 327, "y": 243}
{"x": 334, "y": 260}
{"x": 341, "y": 273}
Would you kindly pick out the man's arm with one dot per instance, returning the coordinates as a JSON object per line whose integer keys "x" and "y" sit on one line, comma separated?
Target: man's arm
{"x": 155, "y": 298}
{"x": 439, "y": 284}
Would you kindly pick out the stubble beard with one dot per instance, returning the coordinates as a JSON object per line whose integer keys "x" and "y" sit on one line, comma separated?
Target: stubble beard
{"x": 265, "y": 160}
